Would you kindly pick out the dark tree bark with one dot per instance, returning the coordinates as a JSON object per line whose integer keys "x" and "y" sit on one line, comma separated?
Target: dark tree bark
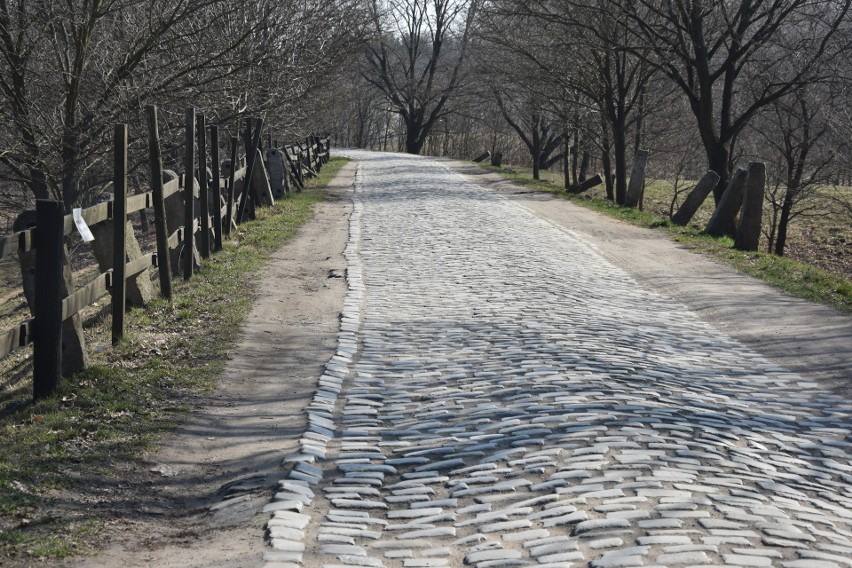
{"x": 607, "y": 165}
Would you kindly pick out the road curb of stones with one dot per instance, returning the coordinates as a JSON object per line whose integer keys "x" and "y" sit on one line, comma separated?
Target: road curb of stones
{"x": 286, "y": 528}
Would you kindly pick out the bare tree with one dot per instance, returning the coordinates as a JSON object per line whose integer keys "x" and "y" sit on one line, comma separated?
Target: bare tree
{"x": 791, "y": 135}
{"x": 580, "y": 49}
{"x": 733, "y": 58}
{"x": 417, "y": 58}
{"x": 71, "y": 69}
{"x": 542, "y": 135}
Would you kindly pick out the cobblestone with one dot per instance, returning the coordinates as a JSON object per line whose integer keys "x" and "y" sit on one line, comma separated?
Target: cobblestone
{"x": 504, "y": 396}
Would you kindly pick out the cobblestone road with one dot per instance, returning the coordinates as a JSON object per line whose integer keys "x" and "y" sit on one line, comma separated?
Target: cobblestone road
{"x": 503, "y": 396}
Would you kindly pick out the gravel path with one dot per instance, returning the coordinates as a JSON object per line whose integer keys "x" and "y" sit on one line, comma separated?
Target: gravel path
{"x": 504, "y": 396}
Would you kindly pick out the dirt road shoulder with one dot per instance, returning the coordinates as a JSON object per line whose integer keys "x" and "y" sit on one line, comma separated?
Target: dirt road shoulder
{"x": 197, "y": 500}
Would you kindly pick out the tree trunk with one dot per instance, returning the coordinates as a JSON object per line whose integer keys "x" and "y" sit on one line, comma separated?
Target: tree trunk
{"x": 584, "y": 165}
{"x": 620, "y": 150}
{"x": 783, "y": 223}
{"x": 535, "y": 149}
{"x": 640, "y": 119}
{"x": 575, "y": 152}
{"x": 414, "y": 134}
{"x": 606, "y": 162}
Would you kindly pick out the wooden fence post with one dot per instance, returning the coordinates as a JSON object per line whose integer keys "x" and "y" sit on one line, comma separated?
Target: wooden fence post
{"x": 246, "y": 192}
{"x": 204, "y": 191}
{"x": 292, "y": 171}
{"x": 301, "y": 164}
{"x": 156, "y": 159}
{"x": 235, "y": 143}
{"x": 47, "y": 306}
{"x": 251, "y": 158}
{"x": 217, "y": 189}
{"x": 119, "y": 223}
{"x": 189, "y": 193}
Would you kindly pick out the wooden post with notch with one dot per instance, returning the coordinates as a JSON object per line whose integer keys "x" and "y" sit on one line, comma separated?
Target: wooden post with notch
{"x": 189, "y": 196}
{"x": 155, "y": 157}
{"x": 119, "y": 224}
{"x": 47, "y": 306}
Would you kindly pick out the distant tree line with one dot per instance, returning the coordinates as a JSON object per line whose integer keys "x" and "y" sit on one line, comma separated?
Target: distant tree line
{"x": 71, "y": 69}
{"x": 579, "y": 85}
{"x": 583, "y": 84}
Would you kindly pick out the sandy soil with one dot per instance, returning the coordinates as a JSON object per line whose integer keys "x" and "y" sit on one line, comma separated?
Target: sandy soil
{"x": 221, "y": 467}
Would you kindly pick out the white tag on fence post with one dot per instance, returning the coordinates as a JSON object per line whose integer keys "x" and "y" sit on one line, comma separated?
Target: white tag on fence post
{"x": 82, "y": 228}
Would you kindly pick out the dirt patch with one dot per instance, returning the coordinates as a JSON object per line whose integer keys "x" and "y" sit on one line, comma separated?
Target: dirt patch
{"x": 196, "y": 501}
{"x": 802, "y": 336}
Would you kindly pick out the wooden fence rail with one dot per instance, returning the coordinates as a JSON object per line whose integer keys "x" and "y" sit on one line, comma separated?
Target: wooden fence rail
{"x": 238, "y": 192}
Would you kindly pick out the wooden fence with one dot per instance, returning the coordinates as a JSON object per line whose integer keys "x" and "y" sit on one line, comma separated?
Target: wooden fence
{"x": 234, "y": 197}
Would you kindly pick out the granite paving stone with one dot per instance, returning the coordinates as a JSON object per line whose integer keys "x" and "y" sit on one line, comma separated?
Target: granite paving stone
{"x": 503, "y": 395}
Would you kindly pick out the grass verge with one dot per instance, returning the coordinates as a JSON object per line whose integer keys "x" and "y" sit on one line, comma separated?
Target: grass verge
{"x": 134, "y": 393}
{"x": 790, "y": 276}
